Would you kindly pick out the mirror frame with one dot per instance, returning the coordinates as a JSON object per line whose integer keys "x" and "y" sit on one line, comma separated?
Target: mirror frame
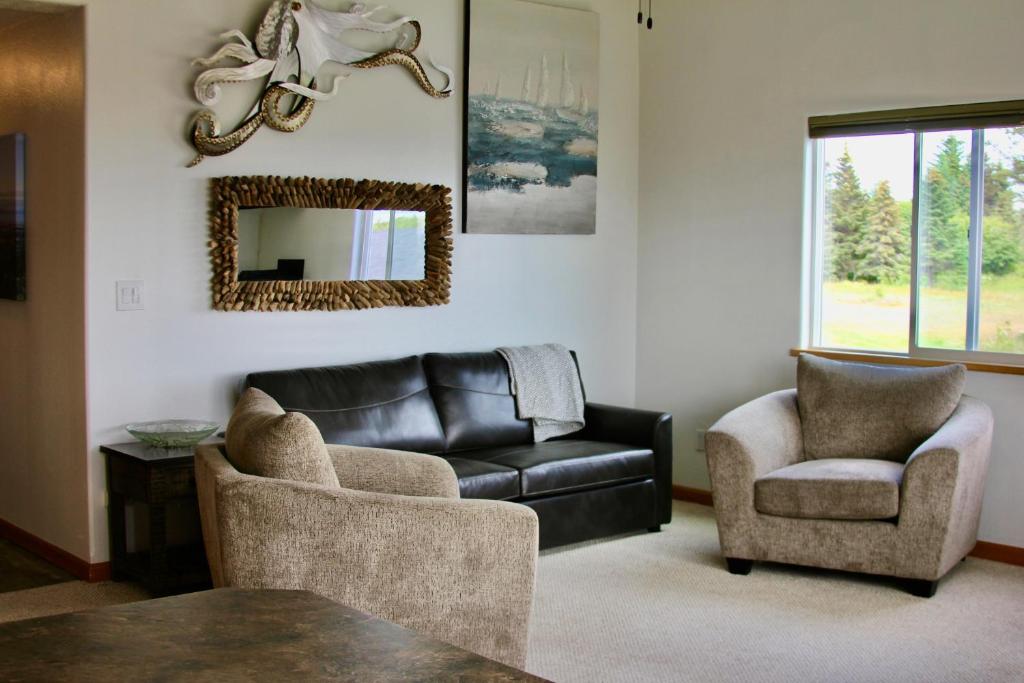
{"x": 229, "y": 194}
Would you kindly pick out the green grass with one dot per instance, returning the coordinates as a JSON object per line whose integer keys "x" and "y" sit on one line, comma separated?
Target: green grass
{"x": 858, "y": 315}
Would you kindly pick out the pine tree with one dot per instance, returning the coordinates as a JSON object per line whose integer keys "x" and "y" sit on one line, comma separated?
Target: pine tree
{"x": 848, "y": 214}
{"x": 999, "y": 195}
{"x": 886, "y": 240}
{"x": 956, "y": 171}
{"x": 1001, "y": 251}
{"x": 946, "y": 202}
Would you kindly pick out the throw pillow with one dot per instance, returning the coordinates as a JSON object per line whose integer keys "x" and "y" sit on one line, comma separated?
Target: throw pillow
{"x": 264, "y": 440}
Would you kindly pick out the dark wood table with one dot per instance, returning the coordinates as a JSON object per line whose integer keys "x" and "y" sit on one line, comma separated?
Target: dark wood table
{"x": 233, "y": 635}
{"x": 157, "y": 478}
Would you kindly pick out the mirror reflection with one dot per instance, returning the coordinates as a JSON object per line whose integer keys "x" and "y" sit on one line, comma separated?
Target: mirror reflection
{"x": 288, "y": 243}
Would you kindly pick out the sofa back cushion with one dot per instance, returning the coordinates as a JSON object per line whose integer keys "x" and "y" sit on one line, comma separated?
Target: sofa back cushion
{"x": 852, "y": 410}
{"x": 474, "y": 400}
{"x": 384, "y": 404}
{"x": 264, "y": 440}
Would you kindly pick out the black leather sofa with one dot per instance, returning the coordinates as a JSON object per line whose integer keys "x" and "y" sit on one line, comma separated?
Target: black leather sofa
{"x": 612, "y": 477}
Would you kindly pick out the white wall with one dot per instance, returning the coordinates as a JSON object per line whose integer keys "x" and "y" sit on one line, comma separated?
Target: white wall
{"x": 42, "y": 359}
{"x": 726, "y": 90}
{"x": 147, "y": 220}
{"x": 322, "y": 238}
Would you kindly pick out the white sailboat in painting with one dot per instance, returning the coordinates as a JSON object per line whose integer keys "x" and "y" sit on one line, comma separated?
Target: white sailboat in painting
{"x": 575, "y": 108}
{"x": 568, "y": 91}
{"x": 543, "y": 89}
{"x": 527, "y": 84}
{"x": 522, "y": 118}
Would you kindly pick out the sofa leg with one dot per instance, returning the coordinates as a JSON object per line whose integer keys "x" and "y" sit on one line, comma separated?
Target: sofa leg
{"x": 654, "y": 529}
{"x": 739, "y": 566}
{"x": 922, "y": 588}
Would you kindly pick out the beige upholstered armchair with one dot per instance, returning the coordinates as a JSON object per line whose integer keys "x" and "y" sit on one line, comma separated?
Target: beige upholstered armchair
{"x": 391, "y": 537}
{"x": 861, "y": 468}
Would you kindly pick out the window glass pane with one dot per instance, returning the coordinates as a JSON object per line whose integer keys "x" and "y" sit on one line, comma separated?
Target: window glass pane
{"x": 409, "y": 251}
{"x": 1002, "y": 280}
{"x": 945, "y": 220}
{"x": 866, "y": 217}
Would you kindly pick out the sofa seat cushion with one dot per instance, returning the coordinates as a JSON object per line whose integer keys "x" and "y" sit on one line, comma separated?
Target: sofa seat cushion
{"x": 568, "y": 465}
{"x": 481, "y": 479}
{"x": 265, "y": 441}
{"x": 840, "y": 488}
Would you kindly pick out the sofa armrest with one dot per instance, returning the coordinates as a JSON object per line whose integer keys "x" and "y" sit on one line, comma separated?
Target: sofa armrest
{"x": 379, "y": 470}
{"x": 944, "y": 484}
{"x": 641, "y": 428}
{"x": 757, "y": 438}
{"x": 459, "y": 570}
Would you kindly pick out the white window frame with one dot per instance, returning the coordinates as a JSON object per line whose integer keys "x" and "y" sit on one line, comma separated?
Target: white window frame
{"x": 361, "y": 243}
{"x": 817, "y": 185}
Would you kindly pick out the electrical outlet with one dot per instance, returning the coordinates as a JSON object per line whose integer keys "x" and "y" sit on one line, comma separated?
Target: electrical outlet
{"x": 701, "y": 433}
{"x": 130, "y": 295}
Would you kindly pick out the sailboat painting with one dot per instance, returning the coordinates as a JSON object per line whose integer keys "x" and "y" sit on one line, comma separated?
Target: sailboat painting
{"x": 531, "y": 119}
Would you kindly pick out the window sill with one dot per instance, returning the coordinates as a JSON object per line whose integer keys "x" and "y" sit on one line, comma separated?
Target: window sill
{"x": 882, "y": 359}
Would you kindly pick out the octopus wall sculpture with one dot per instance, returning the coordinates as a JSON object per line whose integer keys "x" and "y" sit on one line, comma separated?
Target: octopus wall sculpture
{"x": 295, "y": 39}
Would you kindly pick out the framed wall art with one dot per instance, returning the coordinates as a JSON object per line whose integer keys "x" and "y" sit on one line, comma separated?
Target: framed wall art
{"x": 12, "y": 217}
{"x": 531, "y": 118}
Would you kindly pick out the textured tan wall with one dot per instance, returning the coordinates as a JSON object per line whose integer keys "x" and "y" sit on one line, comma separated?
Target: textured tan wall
{"x": 43, "y": 464}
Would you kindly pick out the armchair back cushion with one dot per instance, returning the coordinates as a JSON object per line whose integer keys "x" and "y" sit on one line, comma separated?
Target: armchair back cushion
{"x": 851, "y": 410}
{"x": 265, "y": 441}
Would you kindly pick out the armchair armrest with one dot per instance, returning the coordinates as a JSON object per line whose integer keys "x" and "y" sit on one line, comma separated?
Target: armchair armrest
{"x": 459, "y": 570}
{"x": 379, "y": 470}
{"x": 757, "y": 438}
{"x": 641, "y": 428}
{"x": 944, "y": 483}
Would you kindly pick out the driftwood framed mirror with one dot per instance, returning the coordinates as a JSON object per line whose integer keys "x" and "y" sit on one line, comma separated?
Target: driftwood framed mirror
{"x": 312, "y": 244}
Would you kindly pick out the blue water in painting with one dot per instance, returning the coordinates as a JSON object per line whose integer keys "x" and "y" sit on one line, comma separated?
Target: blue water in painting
{"x": 503, "y": 131}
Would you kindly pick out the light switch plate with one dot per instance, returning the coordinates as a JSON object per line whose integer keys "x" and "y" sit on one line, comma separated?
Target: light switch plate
{"x": 130, "y": 295}
{"x": 701, "y": 434}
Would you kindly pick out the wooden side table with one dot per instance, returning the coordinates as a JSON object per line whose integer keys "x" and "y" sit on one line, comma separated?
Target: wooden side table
{"x": 157, "y": 478}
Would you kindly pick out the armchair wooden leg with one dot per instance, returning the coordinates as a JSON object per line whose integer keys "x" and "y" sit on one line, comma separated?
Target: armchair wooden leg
{"x": 739, "y": 566}
{"x": 922, "y": 588}
{"x": 654, "y": 529}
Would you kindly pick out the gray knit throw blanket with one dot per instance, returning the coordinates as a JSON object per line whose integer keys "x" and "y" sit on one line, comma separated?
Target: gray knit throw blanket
{"x": 546, "y": 384}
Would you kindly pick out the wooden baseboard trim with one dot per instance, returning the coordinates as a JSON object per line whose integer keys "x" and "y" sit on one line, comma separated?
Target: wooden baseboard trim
{"x": 72, "y": 564}
{"x": 691, "y": 495}
{"x": 1008, "y": 554}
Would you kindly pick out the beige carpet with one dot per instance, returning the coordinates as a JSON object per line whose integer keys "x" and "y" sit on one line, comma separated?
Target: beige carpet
{"x": 661, "y": 607}
{"x": 71, "y": 596}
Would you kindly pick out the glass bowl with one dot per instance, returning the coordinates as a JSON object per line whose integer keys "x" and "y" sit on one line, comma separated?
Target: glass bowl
{"x": 172, "y": 433}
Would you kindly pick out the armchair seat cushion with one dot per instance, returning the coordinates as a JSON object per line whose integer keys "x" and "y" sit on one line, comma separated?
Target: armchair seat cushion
{"x": 837, "y": 488}
{"x": 561, "y": 466}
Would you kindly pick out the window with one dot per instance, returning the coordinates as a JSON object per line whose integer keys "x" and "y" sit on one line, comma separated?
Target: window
{"x": 388, "y": 245}
{"x": 917, "y": 240}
